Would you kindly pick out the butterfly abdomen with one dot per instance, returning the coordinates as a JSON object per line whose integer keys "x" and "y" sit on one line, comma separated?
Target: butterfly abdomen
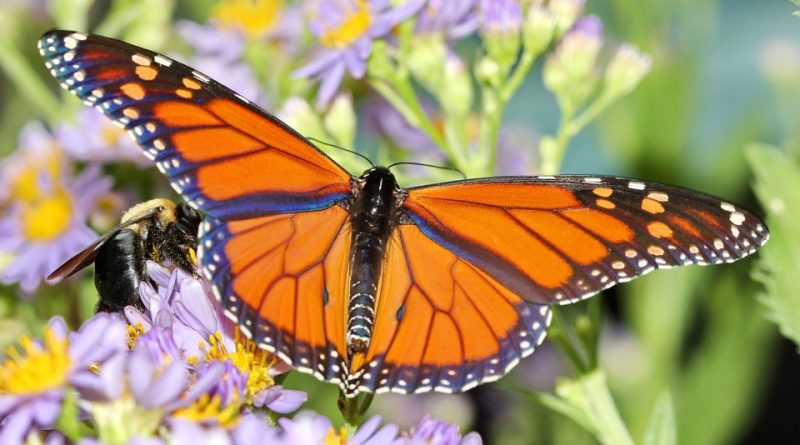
{"x": 372, "y": 217}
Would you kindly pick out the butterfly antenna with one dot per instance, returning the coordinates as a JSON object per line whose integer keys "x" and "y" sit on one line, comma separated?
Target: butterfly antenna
{"x": 317, "y": 141}
{"x": 421, "y": 164}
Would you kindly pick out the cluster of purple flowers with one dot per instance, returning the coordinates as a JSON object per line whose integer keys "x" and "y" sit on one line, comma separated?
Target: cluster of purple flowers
{"x": 45, "y": 207}
{"x": 177, "y": 370}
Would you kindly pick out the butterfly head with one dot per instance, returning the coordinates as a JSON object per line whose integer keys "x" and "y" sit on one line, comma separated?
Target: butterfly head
{"x": 378, "y": 191}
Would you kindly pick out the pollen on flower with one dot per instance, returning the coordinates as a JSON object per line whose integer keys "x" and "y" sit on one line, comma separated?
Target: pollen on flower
{"x": 47, "y": 218}
{"x": 251, "y": 361}
{"x": 134, "y": 332}
{"x": 33, "y": 368}
{"x": 355, "y": 25}
{"x": 209, "y": 408}
{"x": 254, "y": 17}
{"x": 332, "y": 438}
{"x": 111, "y": 133}
{"x": 26, "y": 185}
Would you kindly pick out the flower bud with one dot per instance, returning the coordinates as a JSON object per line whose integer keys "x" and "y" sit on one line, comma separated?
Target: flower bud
{"x": 565, "y": 13}
{"x": 626, "y": 70}
{"x": 539, "y": 29}
{"x": 379, "y": 64}
{"x": 426, "y": 61}
{"x": 298, "y": 114}
{"x": 455, "y": 95}
{"x": 487, "y": 71}
{"x": 341, "y": 120}
{"x": 500, "y": 25}
{"x": 569, "y": 71}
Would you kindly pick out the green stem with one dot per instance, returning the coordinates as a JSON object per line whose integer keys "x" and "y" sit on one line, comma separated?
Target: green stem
{"x": 353, "y": 409}
{"x": 550, "y": 402}
{"x": 28, "y": 82}
{"x": 495, "y": 99}
{"x": 491, "y": 117}
{"x": 569, "y": 126}
{"x": 590, "y": 113}
{"x": 399, "y": 92}
{"x": 570, "y": 342}
{"x": 518, "y": 76}
{"x": 552, "y": 159}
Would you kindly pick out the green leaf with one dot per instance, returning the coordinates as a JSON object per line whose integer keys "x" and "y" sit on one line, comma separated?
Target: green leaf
{"x": 777, "y": 185}
{"x": 68, "y": 422}
{"x": 662, "y": 430}
{"x": 725, "y": 375}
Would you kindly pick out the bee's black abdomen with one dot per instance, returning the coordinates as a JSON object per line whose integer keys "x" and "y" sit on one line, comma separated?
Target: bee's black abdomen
{"x": 119, "y": 269}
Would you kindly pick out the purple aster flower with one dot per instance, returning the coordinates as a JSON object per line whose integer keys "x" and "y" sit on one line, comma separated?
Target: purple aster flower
{"x": 184, "y": 432}
{"x": 346, "y": 29}
{"x": 500, "y": 17}
{"x": 453, "y": 18}
{"x": 191, "y": 325}
{"x": 225, "y": 43}
{"x": 589, "y": 26}
{"x": 151, "y": 383}
{"x": 312, "y": 428}
{"x": 33, "y": 379}
{"x": 514, "y": 148}
{"x": 94, "y": 138}
{"x": 383, "y": 119}
{"x": 430, "y": 431}
{"x": 46, "y": 208}
{"x": 279, "y": 399}
{"x": 254, "y": 430}
{"x": 181, "y": 305}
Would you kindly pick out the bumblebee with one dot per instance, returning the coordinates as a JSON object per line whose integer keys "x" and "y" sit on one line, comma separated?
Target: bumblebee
{"x": 157, "y": 230}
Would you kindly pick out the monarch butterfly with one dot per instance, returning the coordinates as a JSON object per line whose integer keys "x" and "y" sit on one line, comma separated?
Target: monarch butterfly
{"x": 366, "y": 284}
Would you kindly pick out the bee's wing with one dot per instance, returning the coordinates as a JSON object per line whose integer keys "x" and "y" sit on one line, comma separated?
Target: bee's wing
{"x": 87, "y": 255}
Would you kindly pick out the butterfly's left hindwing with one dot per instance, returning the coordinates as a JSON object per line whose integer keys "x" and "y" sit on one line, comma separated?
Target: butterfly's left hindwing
{"x": 282, "y": 279}
{"x": 222, "y": 153}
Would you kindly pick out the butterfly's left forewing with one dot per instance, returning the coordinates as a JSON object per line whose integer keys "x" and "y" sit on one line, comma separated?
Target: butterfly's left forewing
{"x": 222, "y": 153}
{"x": 561, "y": 239}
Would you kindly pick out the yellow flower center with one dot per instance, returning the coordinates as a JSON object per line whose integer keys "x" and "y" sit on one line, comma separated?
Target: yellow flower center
{"x": 208, "y": 408}
{"x": 248, "y": 358}
{"x": 46, "y": 206}
{"x": 110, "y": 134}
{"x": 32, "y": 368}
{"x": 336, "y": 439}
{"x": 25, "y": 186}
{"x": 254, "y": 17}
{"x": 47, "y": 218}
{"x": 354, "y": 26}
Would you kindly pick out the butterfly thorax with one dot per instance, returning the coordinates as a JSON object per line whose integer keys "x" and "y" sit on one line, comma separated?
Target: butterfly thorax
{"x": 372, "y": 217}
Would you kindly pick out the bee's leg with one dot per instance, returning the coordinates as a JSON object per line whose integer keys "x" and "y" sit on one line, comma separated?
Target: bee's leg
{"x": 180, "y": 248}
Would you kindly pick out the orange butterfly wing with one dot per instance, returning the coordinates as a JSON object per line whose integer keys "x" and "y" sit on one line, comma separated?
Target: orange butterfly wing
{"x": 225, "y": 155}
{"x": 283, "y": 279}
{"x": 560, "y": 239}
{"x": 442, "y": 324}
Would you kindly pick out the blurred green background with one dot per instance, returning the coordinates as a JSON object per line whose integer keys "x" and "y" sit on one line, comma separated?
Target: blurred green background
{"x": 699, "y": 351}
